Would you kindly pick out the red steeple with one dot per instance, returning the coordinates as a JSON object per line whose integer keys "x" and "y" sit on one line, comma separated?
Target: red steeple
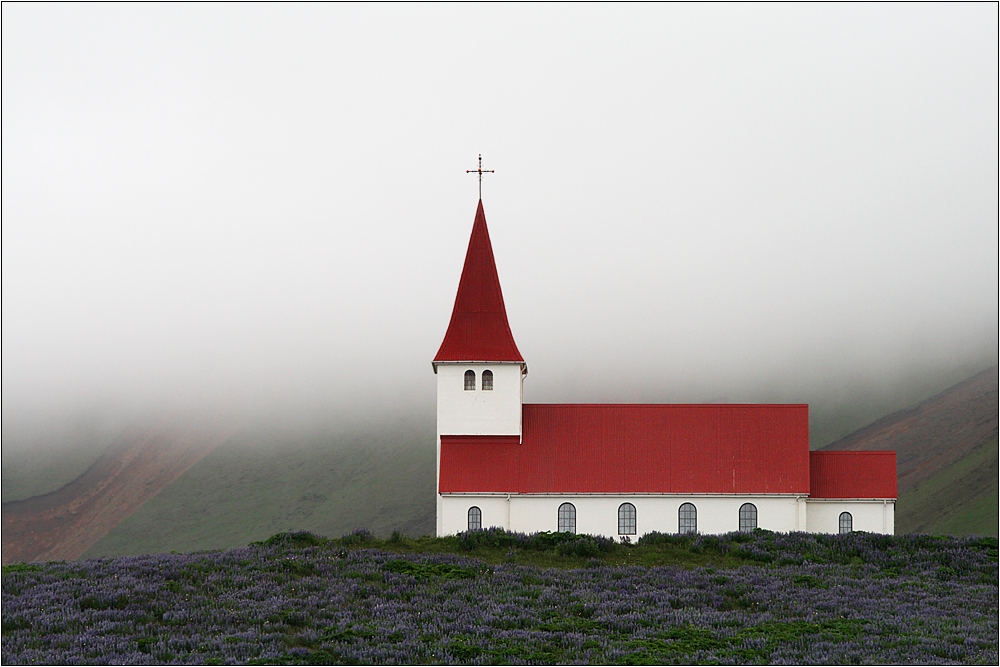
{"x": 478, "y": 330}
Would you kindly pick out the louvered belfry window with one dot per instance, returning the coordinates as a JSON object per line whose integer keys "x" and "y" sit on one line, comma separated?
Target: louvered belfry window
{"x": 846, "y": 522}
{"x": 487, "y": 380}
{"x": 475, "y": 518}
{"x": 687, "y": 519}
{"x": 748, "y": 517}
{"x": 626, "y": 519}
{"x": 567, "y": 518}
{"x": 470, "y": 380}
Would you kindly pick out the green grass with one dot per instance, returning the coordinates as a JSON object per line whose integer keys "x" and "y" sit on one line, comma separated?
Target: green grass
{"x": 712, "y": 552}
{"x": 943, "y": 504}
{"x": 39, "y": 460}
{"x": 261, "y": 483}
{"x": 678, "y": 554}
{"x": 35, "y": 474}
{"x": 646, "y": 555}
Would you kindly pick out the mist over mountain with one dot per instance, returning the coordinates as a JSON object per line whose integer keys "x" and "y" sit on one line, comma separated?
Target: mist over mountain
{"x": 96, "y": 486}
{"x": 260, "y": 212}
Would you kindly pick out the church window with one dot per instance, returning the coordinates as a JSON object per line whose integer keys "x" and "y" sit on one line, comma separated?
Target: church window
{"x": 748, "y": 517}
{"x": 687, "y": 519}
{"x": 626, "y": 519}
{"x": 487, "y": 380}
{"x": 846, "y": 522}
{"x": 475, "y": 518}
{"x": 567, "y": 518}
{"x": 470, "y": 380}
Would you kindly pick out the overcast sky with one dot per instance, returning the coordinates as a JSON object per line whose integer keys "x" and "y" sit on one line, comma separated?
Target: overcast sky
{"x": 268, "y": 203}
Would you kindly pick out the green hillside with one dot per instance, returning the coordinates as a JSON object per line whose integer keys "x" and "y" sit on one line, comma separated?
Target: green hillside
{"x": 42, "y": 458}
{"x": 840, "y": 411}
{"x": 961, "y": 499}
{"x": 265, "y": 482}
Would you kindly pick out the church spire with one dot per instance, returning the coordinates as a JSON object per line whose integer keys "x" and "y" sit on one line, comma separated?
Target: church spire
{"x": 478, "y": 330}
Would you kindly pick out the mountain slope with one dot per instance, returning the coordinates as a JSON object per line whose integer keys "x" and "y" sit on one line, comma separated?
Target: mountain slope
{"x": 158, "y": 489}
{"x": 266, "y": 481}
{"x": 947, "y": 458}
{"x": 961, "y": 499}
{"x": 935, "y": 433}
{"x": 141, "y": 461}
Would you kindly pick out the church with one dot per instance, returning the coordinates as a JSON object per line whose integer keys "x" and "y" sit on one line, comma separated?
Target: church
{"x": 624, "y": 470}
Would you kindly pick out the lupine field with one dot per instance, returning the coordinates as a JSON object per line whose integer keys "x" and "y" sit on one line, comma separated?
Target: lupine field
{"x": 741, "y": 598}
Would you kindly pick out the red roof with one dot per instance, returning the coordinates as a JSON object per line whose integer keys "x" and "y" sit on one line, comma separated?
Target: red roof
{"x": 478, "y": 330}
{"x": 852, "y": 474}
{"x": 637, "y": 449}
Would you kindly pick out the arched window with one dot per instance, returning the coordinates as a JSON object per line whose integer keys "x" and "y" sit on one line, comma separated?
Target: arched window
{"x": 470, "y": 380}
{"x": 487, "y": 380}
{"x": 475, "y": 518}
{"x": 567, "y": 518}
{"x": 687, "y": 519}
{"x": 626, "y": 519}
{"x": 748, "y": 517}
{"x": 846, "y": 522}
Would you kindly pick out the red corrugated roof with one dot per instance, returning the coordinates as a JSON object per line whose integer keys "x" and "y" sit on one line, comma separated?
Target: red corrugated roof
{"x": 637, "y": 449}
{"x": 852, "y": 474}
{"x": 478, "y": 330}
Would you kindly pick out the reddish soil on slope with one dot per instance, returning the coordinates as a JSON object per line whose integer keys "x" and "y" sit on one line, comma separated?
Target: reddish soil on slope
{"x": 935, "y": 433}
{"x": 139, "y": 464}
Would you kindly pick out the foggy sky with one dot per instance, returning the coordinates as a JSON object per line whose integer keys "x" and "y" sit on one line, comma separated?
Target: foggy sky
{"x": 267, "y": 204}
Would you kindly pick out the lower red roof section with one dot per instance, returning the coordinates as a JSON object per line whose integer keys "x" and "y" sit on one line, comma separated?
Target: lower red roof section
{"x": 637, "y": 449}
{"x": 852, "y": 474}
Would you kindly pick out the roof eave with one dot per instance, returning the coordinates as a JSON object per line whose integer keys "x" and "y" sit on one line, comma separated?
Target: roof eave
{"x": 442, "y": 362}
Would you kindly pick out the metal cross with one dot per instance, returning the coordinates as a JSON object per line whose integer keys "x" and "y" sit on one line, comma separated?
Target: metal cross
{"x": 480, "y": 171}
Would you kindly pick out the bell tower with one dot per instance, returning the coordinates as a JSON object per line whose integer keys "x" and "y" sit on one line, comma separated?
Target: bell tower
{"x": 480, "y": 372}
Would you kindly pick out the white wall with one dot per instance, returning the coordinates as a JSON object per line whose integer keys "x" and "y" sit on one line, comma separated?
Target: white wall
{"x": 598, "y": 514}
{"x": 873, "y": 516}
{"x": 478, "y": 412}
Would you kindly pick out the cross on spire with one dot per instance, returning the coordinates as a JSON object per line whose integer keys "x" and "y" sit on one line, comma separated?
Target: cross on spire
{"x": 480, "y": 171}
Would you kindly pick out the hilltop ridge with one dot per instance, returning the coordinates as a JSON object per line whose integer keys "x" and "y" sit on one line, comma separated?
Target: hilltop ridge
{"x": 936, "y": 432}
{"x": 947, "y": 458}
{"x": 160, "y": 488}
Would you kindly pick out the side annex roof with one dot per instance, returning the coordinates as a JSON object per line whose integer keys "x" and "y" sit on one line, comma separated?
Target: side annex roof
{"x": 852, "y": 475}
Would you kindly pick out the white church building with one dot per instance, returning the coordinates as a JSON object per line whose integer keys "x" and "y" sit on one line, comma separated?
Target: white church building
{"x": 624, "y": 470}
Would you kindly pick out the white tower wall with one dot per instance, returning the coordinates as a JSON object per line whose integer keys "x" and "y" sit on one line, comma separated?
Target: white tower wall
{"x": 477, "y": 412}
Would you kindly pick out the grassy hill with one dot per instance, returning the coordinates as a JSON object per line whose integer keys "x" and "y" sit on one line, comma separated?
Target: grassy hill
{"x": 961, "y": 499}
{"x": 840, "y": 411}
{"x": 269, "y": 480}
{"x": 43, "y": 454}
{"x": 946, "y": 451}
